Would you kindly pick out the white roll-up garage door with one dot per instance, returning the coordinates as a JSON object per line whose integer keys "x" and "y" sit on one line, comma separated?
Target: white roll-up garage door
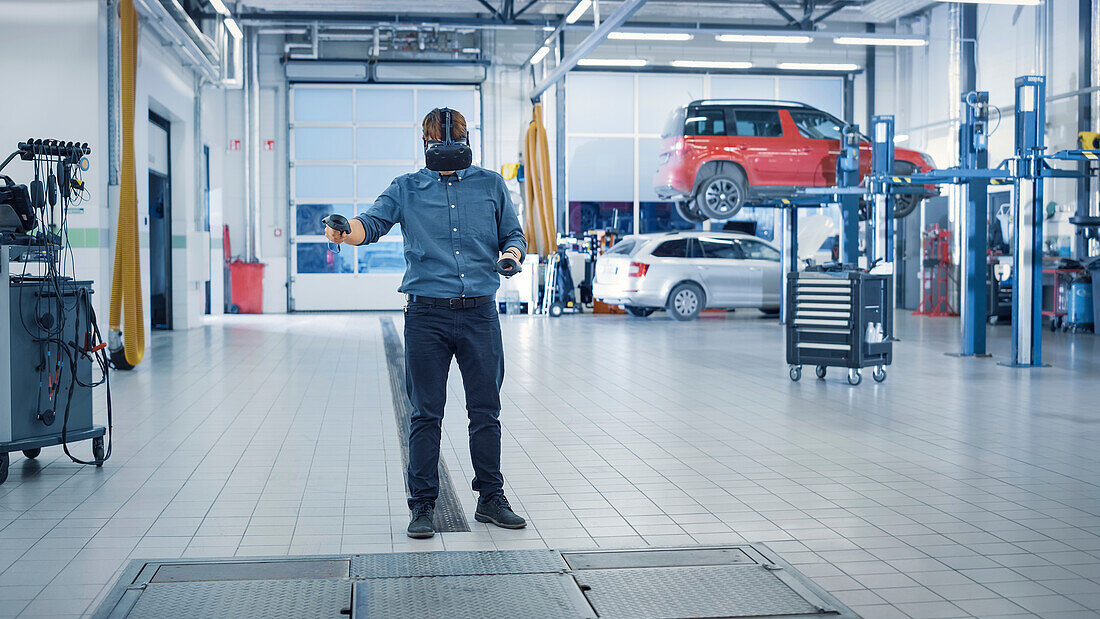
{"x": 346, "y": 144}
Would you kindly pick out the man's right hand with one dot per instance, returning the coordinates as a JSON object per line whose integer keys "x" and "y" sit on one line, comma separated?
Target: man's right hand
{"x": 335, "y": 236}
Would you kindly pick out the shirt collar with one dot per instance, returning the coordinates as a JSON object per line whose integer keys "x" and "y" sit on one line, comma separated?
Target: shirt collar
{"x": 458, "y": 174}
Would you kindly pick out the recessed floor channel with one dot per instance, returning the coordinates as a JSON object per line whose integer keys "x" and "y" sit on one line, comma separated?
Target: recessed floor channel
{"x": 734, "y": 581}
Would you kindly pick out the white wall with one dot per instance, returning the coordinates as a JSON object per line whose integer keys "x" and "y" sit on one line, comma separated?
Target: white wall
{"x": 1006, "y": 49}
{"x": 51, "y": 47}
{"x": 62, "y": 71}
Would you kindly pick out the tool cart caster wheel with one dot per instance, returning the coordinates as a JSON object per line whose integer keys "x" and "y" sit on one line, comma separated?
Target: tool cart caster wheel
{"x": 556, "y": 310}
{"x": 97, "y": 451}
{"x": 820, "y": 371}
{"x": 796, "y": 373}
{"x": 879, "y": 375}
{"x": 855, "y": 377}
{"x": 4, "y": 460}
{"x": 31, "y": 454}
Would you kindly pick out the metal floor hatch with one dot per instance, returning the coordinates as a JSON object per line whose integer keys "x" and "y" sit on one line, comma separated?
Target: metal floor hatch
{"x": 744, "y": 581}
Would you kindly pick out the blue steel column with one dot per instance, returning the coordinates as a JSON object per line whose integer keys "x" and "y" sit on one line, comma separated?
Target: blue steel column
{"x": 882, "y": 166}
{"x": 974, "y": 155}
{"x": 1027, "y": 297}
{"x": 847, "y": 175}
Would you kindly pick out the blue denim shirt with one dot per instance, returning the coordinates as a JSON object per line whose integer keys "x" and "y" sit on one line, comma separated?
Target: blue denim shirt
{"x": 454, "y": 227}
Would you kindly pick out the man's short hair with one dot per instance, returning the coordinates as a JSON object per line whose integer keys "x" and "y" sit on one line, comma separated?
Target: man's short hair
{"x": 433, "y": 125}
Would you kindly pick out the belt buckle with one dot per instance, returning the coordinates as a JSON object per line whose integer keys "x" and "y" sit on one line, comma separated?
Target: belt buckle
{"x": 451, "y": 303}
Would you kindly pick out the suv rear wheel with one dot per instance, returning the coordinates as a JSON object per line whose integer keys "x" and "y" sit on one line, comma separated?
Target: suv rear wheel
{"x": 905, "y": 203}
{"x": 721, "y": 196}
{"x": 685, "y": 301}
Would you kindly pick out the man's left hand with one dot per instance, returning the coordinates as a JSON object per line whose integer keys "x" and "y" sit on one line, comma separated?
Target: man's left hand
{"x": 509, "y": 263}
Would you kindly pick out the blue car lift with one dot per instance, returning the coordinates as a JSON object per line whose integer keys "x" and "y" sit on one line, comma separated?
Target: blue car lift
{"x": 1026, "y": 171}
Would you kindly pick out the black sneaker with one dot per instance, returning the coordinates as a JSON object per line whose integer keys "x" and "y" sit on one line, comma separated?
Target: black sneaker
{"x": 420, "y": 524}
{"x": 496, "y": 510}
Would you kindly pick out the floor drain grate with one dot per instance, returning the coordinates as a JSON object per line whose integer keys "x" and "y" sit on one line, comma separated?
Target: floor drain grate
{"x": 745, "y": 581}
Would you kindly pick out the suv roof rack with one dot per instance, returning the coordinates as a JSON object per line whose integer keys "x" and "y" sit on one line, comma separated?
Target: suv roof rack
{"x": 775, "y": 102}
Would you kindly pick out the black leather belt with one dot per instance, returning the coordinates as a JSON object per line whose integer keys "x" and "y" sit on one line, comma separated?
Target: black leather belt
{"x": 455, "y": 303}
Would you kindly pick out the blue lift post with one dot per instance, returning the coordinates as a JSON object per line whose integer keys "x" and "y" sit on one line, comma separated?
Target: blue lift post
{"x": 847, "y": 176}
{"x": 880, "y": 228}
{"x": 974, "y": 155}
{"x": 1027, "y": 198}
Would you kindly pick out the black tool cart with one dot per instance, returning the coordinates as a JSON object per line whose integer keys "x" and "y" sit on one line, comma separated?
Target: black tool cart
{"x": 839, "y": 317}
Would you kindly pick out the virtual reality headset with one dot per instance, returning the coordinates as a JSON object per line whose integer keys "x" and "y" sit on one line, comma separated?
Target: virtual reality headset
{"x": 447, "y": 155}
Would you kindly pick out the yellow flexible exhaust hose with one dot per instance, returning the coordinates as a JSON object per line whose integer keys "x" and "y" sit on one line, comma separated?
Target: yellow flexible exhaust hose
{"x": 549, "y": 221}
{"x": 126, "y": 304}
{"x": 530, "y": 210}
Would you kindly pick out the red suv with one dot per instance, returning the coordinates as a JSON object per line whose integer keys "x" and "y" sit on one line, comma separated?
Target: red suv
{"x": 717, "y": 156}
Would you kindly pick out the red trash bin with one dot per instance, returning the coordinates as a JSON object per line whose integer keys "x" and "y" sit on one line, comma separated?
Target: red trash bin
{"x": 247, "y": 286}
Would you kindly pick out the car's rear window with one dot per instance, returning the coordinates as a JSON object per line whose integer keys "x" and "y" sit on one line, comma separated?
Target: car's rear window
{"x": 720, "y": 248}
{"x": 705, "y": 121}
{"x": 625, "y": 246}
{"x": 674, "y": 126}
{"x": 676, "y": 248}
{"x": 757, "y": 123}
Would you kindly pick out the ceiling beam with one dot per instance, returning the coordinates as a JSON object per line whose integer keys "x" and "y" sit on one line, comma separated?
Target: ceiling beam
{"x": 585, "y": 47}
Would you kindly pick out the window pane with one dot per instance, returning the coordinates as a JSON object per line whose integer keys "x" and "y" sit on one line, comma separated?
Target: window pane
{"x": 384, "y": 105}
{"x": 387, "y": 143}
{"x": 308, "y": 216}
{"x": 322, "y": 181}
{"x": 816, "y": 125}
{"x": 660, "y": 94}
{"x": 427, "y": 99}
{"x": 672, "y": 249}
{"x": 758, "y": 123}
{"x": 322, "y": 104}
{"x": 373, "y": 179}
{"x": 381, "y": 258}
{"x": 319, "y": 258}
{"x": 602, "y": 169}
{"x": 674, "y": 126}
{"x": 600, "y": 102}
{"x": 720, "y": 248}
{"x": 705, "y": 121}
{"x": 330, "y": 143}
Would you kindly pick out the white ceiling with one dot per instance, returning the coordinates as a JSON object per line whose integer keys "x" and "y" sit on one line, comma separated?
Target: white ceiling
{"x": 709, "y": 11}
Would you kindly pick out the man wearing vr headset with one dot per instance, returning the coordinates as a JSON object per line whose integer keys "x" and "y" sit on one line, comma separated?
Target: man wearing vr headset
{"x": 460, "y": 230}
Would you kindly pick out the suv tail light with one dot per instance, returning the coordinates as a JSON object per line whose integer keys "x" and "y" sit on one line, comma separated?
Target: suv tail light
{"x": 638, "y": 269}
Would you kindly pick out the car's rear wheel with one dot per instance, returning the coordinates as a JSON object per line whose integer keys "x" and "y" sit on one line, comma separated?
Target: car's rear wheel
{"x": 687, "y": 210}
{"x": 639, "y": 311}
{"x": 685, "y": 301}
{"x": 905, "y": 203}
{"x": 721, "y": 196}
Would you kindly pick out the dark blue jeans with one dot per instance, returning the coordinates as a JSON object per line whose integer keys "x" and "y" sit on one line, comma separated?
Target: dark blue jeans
{"x": 433, "y": 336}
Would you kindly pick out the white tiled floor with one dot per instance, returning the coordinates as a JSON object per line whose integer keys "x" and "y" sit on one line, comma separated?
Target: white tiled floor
{"x": 956, "y": 488}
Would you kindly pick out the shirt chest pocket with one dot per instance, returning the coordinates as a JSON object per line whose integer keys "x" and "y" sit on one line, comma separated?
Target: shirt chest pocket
{"x": 481, "y": 220}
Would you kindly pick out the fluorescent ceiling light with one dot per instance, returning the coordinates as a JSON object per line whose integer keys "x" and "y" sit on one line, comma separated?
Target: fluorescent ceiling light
{"x": 577, "y": 11}
{"x": 901, "y": 137}
{"x": 763, "y": 38}
{"x": 650, "y": 36}
{"x": 816, "y": 66}
{"x": 1017, "y": 2}
{"x": 539, "y": 54}
{"x": 219, "y": 6}
{"x": 896, "y": 41}
{"x": 711, "y": 64}
{"x": 234, "y": 29}
{"x": 470, "y": 50}
{"x": 612, "y": 62}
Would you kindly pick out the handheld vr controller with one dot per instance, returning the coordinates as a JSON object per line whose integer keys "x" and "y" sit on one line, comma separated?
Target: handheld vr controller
{"x": 507, "y": 267}
{"x": 338, "y": 223}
